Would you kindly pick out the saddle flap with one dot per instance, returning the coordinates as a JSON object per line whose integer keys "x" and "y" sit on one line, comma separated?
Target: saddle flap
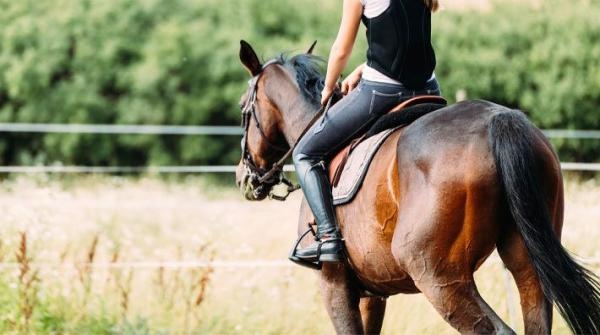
{"x": 350, "y": 174}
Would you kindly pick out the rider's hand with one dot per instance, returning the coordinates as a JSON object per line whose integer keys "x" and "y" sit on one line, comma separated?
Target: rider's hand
{"x": 351, "y": 81}
{"x": 326, "y": 94}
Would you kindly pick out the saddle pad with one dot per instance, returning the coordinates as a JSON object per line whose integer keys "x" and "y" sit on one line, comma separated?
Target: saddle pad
{"x": 356, "y": 167}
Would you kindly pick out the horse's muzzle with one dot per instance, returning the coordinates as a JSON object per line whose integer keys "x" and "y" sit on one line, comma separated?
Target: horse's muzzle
{"x": 249, "y": 185}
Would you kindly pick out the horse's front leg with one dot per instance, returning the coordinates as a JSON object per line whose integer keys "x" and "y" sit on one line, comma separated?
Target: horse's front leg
{"x": 341, "y": 298}
{"x": 372, "y": 310}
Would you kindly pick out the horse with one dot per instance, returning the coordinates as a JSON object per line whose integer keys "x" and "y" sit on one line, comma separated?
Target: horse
{"x": 441, "y": 194}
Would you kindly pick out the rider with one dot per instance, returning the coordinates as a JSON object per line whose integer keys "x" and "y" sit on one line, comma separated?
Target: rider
{"x": 399, "y": 66}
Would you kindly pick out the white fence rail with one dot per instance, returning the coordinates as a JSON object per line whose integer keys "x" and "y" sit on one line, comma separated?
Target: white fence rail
{"x": 571, "y": 133}
{"x": 118, "y": 129}
{"x": 126, "y": 169}
{"x": 159, "y": 264}
{"x": 198, "y": 130}
{"x": 192, "y": 169}
{"x": 580, "y": 166}
{"x": 192, "y": 264}
{"x": 119, "y": 169}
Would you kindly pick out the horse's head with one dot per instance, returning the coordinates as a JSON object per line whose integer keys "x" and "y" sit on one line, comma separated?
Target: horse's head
{"x": 272, "y": 91}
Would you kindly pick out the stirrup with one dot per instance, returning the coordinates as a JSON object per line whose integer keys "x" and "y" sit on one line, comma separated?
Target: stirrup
{"x": 319, "y": 257}
{"x": 316, "y": 265}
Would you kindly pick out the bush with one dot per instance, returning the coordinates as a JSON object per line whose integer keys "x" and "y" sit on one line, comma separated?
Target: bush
{"x": 130, "y": 62}
{"x": 175, "y": 62}
{"x": 545, "y": 61}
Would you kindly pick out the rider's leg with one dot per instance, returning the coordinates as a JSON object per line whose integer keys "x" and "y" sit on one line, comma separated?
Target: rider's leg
{"x": 317, "y": 190}
{"x": 348, "y": 119}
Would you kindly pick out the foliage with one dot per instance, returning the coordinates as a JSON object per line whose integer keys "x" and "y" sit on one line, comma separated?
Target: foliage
{"x": 544, "y": 60}
{"x": 175, "y": 62}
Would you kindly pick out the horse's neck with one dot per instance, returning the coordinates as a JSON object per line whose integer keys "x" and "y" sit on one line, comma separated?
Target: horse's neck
{"x": 297, "y": 119}
{"x": 296, "y": 112}
{"x": 296, "y": 115}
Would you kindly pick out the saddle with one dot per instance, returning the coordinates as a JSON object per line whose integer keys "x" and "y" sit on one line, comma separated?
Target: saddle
{"x": 348, "y": 168}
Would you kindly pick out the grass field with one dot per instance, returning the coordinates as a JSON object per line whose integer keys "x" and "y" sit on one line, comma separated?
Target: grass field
{"x": 70, "y": 223}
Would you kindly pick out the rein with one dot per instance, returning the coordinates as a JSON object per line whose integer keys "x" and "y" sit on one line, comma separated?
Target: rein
{"x": 278, "y": 166}
{"x": 273, "y": 176}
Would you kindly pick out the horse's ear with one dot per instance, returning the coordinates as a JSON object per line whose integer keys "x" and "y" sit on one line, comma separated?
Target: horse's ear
{"x": 249, "y": 58}
{"x": 312, "y": 47}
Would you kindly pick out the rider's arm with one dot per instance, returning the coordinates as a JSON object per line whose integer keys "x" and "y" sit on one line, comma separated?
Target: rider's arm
{"x": 342, "y": 47}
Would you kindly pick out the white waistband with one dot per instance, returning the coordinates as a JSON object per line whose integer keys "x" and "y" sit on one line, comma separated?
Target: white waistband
{"x": 371, "y": 74}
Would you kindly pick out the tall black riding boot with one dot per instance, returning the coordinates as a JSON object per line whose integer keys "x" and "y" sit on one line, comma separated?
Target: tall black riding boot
{"x": 317, "y": 190}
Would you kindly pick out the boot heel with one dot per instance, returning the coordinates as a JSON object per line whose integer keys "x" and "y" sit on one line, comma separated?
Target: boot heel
{"x": 331, "y": 251}
{"x": 331, "y": 257}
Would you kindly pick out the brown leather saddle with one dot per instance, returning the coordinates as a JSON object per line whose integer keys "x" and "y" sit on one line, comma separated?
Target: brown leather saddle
{"x": 337, "y": 164}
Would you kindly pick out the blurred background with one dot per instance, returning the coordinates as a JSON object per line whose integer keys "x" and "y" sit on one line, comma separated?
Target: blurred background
{"x": 176, "y": 63}
{"x": 150, "y": 253}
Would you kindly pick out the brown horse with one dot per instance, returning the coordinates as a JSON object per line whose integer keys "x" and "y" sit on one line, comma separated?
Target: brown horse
{"x": 441, "y": 194}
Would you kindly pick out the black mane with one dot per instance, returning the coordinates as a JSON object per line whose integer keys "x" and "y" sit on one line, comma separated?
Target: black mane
{"x": 308, "y": 70}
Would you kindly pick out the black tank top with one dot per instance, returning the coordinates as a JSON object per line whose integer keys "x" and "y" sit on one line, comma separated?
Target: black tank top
{"x": 400, "y": 42}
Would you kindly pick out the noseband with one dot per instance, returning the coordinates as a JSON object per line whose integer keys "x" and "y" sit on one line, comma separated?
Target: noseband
{"x": 257, "y": 178}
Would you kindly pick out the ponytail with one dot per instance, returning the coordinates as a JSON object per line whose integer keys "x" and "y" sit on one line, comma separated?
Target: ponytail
{"x": 432, "y": 4}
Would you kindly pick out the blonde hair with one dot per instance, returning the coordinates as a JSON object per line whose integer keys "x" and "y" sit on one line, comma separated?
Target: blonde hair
{"x": 432, "y": 4}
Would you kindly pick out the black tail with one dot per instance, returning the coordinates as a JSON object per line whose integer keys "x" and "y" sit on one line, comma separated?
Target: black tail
{"x": 573, "y": 289}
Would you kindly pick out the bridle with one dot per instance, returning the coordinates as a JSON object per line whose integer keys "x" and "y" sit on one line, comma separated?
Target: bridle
{"x": 257, "y": 178}
{"x": 249, "y": 111}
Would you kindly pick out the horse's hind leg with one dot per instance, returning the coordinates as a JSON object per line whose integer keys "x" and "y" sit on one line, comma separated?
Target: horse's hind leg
{"x": 536, "y": 309}
{"x": 459, "y": 302}
{"x": 341, "y": 297}
{"x": 372, "y": 310}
